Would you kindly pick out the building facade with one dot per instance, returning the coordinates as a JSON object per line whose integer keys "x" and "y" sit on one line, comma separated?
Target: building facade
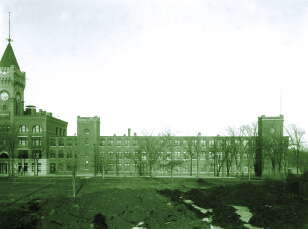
{"x": 33, "y": 142}
{"x": 24, "y": 131}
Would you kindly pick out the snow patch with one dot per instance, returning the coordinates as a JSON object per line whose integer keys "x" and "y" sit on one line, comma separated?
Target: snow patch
{"x": 245, "y": 216}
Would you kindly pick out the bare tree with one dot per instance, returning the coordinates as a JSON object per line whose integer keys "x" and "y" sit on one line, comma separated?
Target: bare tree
{"x": 189, "y": 145}
{"x": 232, "y": 150}
{"x": 193, "y": 149}
{"x": 274, "y": 148}
{"x": 74, "y": 166}
{"x": 8, "y": 141}
{"x": 150, "y": 149}
{"x": 296, "y": 142}
{"x": 103, "y": 163}
{"x": 198, "y": 150}
{"x": 216, "y": 150}
{"x": 169, "y": 158}
{"x": 138, "y": 157}
{"x": 170, "y": 162}
{"x": 249, "y": 132}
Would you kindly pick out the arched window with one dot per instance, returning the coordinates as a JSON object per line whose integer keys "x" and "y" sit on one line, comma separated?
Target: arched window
{"x": 36, "y": 129}
{"x": 23, "y": 129}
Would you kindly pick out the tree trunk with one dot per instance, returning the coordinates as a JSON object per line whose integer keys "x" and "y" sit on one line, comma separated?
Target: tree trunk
{"x": 297, "y": 161}
{"x": 197, "y": 164}
{"x": 191, "y": 165}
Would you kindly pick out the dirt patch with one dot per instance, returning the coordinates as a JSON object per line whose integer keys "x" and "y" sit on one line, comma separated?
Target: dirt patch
{"x": 99, "y": 222}
{"x": 26, "y": 215}
{"x": 108, "y": 209}
{"x": 271, "y": 203}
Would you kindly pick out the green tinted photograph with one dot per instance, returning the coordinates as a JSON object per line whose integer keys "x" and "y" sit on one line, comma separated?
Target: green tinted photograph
{"x": 153, "y": 114}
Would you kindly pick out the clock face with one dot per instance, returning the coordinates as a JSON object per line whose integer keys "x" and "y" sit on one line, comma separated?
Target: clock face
{"x": 4, "y": 96}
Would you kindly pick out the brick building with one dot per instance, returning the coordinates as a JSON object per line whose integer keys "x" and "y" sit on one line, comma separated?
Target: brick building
{"x": 24, "y": 131}
{"x": 33, "y": 142}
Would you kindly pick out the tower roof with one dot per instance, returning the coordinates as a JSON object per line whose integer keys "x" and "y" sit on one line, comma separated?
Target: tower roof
{"x": 8, "y": 57}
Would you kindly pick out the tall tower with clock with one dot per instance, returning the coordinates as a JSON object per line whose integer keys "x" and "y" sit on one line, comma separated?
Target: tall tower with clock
{"x": 12, "y": 85}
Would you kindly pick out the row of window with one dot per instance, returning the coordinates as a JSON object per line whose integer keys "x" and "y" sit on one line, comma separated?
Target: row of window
{"x": 60, "y": 155}
{"x": 55, "y": 167}
{"x": 35, "y": 129}
{"x": 35, "y": 167}
{"x": 60, "y": 131}
{"x": 170, "y": 155}
{"x": 134, "y": 142}
{"x": 24, "y": 154}
{"x": 24, "y": 141}
{"x": 175, "y": 142}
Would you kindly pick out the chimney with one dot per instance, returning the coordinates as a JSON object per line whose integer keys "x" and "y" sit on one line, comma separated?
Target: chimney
{"x": 128, "y": 133}
{"x": 30, "y": 109}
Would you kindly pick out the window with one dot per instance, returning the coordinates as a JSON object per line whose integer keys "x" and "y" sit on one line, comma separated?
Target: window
{"x": 86, "y": 131}
{"x": 36, "y": 141}
{"x": 25, "y": 167}
{"x": 52, "y": 142}
{"x": 23, "y": 129}
{"x": 60, "y": 142}
{"x": 36, "y": 167}
{"x": 39, "y": 167}
{"x": 52, "y": 167}
{"x": 4, "y": 107}
{"x": 52, "y": 154}
{"x": 245, "y": 169}
{"x": 69, "y": 167}
{"x": 23, "y": 141}
{"x": 61, "y": 154}
{"x": 23, "y": 154}
{"x": 69, "y": 155}
{"x": 60, "y": 167}
{"x": 20, "y": 167}
{"x": 69, "y": 142}
{"x": 36, "y": 129}
{"x": 36, "y": 154}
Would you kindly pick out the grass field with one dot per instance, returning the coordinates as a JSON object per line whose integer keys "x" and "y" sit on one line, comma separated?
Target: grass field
{"x": 46, "y": 202}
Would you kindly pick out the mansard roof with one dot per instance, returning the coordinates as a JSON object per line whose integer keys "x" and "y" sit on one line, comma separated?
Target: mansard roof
{"x": 8, "y": 57}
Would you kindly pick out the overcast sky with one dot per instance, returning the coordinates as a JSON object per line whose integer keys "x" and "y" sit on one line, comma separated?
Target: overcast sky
{"x": 187, "y": 66}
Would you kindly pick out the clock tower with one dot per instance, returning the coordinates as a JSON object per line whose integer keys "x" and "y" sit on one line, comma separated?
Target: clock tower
{"x": 12, "y": 85}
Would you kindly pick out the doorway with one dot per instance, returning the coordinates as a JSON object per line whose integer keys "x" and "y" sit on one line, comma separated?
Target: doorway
{"x": 4, "y": 163}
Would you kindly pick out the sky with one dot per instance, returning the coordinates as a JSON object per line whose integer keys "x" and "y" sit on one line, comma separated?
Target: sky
{"x": 186, "y": 66}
